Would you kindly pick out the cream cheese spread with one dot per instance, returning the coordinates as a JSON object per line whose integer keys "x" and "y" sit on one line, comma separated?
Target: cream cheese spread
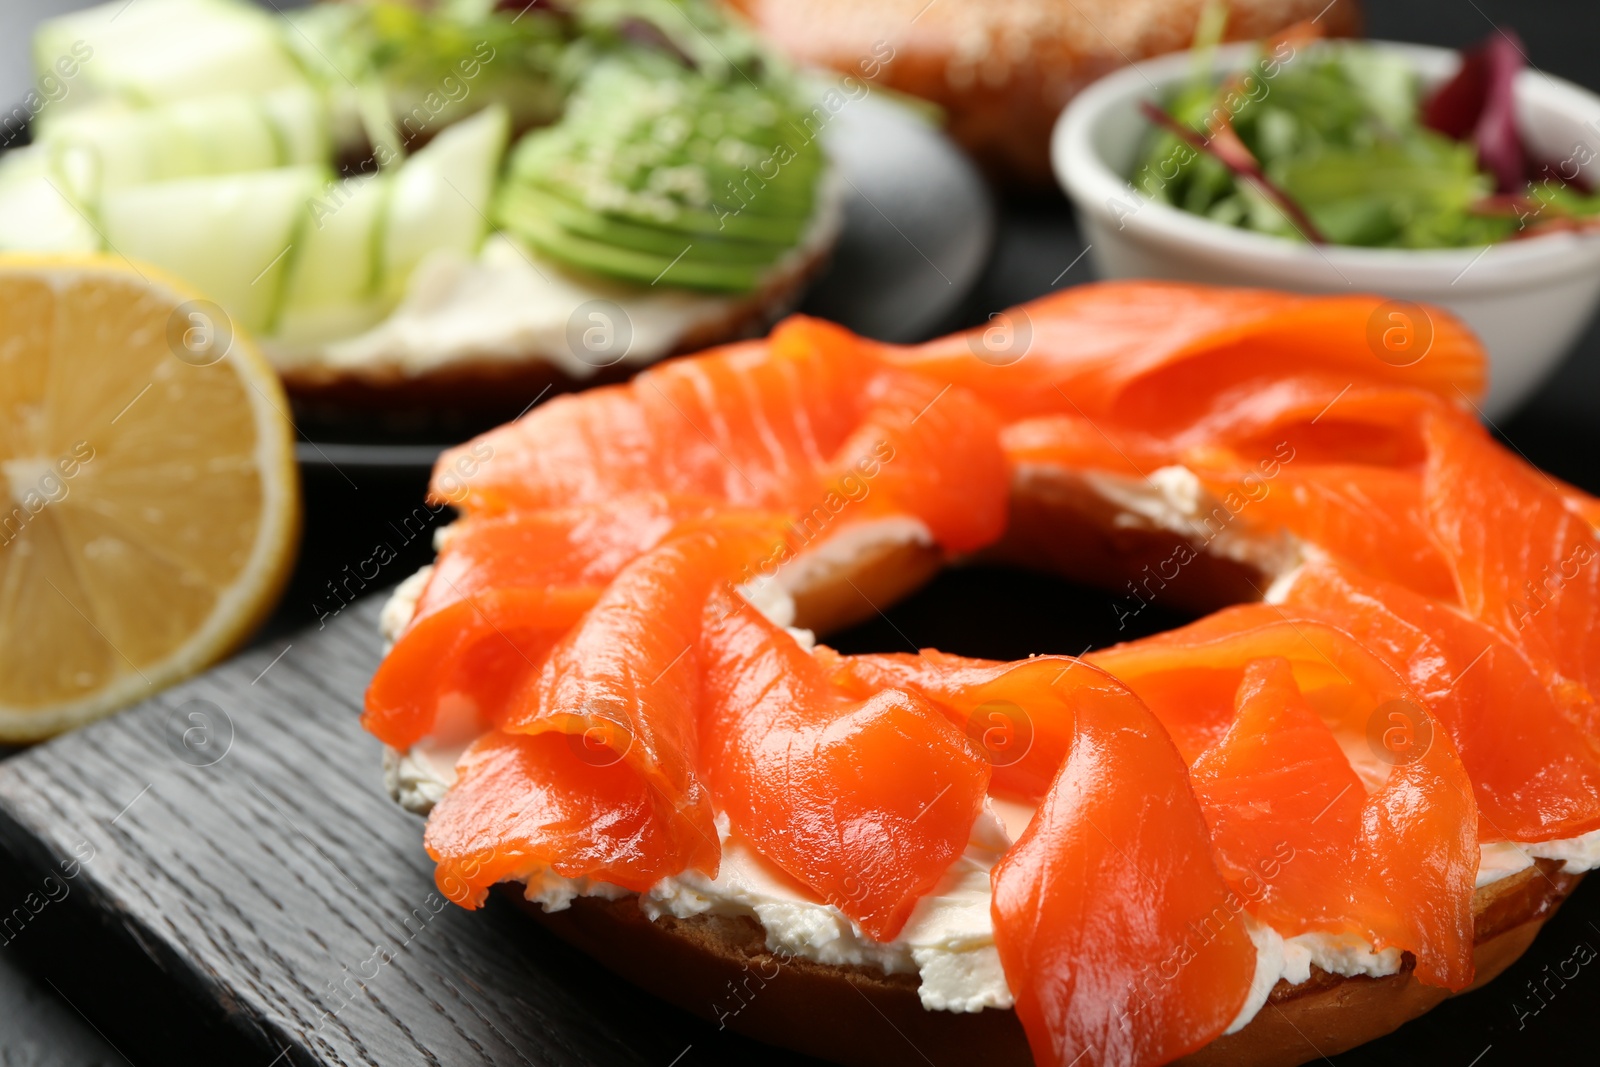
{"x": 948, "y": 940}
{"x": 1290, "y": 959}
{"x": 824, "y": 562}
{"x": 1502, "y": 859}
{"x": 1172, "y": 498}
{"x": 504, "y": 304}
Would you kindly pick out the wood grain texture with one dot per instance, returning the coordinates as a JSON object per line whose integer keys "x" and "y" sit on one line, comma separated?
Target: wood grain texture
{"x": 217, "y": 876}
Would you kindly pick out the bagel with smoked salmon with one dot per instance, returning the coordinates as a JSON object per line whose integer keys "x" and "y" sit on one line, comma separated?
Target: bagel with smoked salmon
{"x": 1359, "y": 785}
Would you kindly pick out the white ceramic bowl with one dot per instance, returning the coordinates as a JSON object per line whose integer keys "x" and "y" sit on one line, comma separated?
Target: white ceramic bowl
{"x": 1528, "y": 300}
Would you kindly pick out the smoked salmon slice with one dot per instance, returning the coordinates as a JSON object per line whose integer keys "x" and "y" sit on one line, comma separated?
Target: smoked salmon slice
{"x": 1354, "y": 513}
{"x": 1536, "y": 776}
{"x": 1283, "y": 804}
{"x": 525, "y": 803}
{"x": 1118, "y": 935}
{"x": 775, "y": 425}
{"x": 1020, "y": 715}
{"x": 1077, "y": 443}
{"x": 1525, "y": 561}
{"x": 502, "y": 591}
{"x": 749, "y": 424}
{"x": 623, "y": 686}
{"x": 1223, "y": 688}
{"x": 1138, "y": 350}
{"x": 594, "y": 771}
{"x": 867, "y": 802}
{"x": 940, "y": 459}
{"x": 1336, "y": 463}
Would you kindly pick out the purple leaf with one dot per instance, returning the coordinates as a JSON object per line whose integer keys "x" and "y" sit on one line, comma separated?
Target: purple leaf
{"x": 1454, "y": 107}
{"x": 1479, "y": 103}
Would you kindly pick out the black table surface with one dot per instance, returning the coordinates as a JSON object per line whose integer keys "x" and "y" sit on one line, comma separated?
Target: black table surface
{"x": 1038, "y": 249}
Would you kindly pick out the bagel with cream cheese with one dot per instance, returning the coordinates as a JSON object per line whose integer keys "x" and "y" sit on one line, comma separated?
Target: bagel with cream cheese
{"x": 519, "y": 197}
{"x": 1146, "y": 439}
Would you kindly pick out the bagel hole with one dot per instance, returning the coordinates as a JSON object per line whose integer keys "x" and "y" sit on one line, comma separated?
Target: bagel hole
{"x": 997, "y": 611}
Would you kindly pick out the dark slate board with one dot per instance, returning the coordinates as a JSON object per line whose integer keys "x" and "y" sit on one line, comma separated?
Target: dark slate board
{"x": 244, "y": 877}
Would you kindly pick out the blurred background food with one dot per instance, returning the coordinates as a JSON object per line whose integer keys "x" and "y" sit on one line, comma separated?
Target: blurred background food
{"x": 356, "y": 156}
{"x": 1457, "y": 179}
{"x": 1349, "y": 145}
{"x": 435, "y": 205}
{"x": 1002, "y": 70}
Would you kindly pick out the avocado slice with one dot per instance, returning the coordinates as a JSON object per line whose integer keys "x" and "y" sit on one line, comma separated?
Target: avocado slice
{"x": 683, "y": 268}
{"x": 655, "y": 168}
{"x": 523, "y": 201}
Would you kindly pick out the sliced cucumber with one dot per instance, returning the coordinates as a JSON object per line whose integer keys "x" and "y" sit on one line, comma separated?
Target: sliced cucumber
{"x": 192, "y": 138}
{"x": 331, "y": 290}
{"x": 441, "y": 196}
{"x": 108, "y": 138}
{"x": 184, "y": 139}
{"x": 377, "y": 124}
{"x": 230, "y": 236}
{"x": 37, "y": 209}
{"x": 157, "y": 50}
{"x": 226, "y": 135}
{"x": 300, "y": 121}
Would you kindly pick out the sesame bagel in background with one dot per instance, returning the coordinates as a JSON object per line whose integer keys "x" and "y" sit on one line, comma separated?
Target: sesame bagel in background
{"x": 1002, "y": 70}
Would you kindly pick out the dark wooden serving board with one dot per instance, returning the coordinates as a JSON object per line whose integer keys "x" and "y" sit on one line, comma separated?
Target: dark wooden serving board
{"x": 245, "y": 892}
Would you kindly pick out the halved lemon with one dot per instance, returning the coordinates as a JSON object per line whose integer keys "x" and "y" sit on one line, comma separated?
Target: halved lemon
{"x": 149, "y": 501}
